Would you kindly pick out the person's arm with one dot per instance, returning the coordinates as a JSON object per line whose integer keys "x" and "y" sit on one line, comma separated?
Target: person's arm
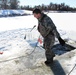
{"x": 51, "y": 27}
{"x": 61, "y": 41}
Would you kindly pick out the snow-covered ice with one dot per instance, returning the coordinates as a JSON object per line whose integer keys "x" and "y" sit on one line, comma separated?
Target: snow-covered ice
{"x": 20, "y": 56}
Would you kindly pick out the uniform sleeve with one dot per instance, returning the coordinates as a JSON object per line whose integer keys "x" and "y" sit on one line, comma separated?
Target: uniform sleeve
{"x": 51, "y": 26}
{"x": 49, "y": 23}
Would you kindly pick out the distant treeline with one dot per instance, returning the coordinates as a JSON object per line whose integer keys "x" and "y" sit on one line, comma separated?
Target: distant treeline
{"x": 14, "y": 4}
{"x": 51, "y": 7}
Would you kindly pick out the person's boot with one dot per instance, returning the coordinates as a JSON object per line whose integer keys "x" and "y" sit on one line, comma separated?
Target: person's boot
{"x": 49, "y": 62}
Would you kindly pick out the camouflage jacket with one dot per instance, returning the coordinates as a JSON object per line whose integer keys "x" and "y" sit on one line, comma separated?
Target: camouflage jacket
{"x": 46, "y": 26}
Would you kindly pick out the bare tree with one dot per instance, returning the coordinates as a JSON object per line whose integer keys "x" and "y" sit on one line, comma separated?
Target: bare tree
{"x": 14, "y": 4}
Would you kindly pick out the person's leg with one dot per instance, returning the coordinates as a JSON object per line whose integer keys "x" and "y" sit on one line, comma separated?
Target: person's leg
{"x": 48, "y": 43}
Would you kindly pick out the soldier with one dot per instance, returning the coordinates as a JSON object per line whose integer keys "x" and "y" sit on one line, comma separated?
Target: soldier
{"x": 48, "y": 30}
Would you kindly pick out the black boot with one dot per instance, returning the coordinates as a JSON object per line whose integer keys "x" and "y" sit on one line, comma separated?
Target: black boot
{"x": 49, "y": 62}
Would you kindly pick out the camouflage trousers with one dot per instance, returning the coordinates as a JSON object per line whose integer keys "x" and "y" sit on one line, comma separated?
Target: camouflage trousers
{"x": 48, "y": 44}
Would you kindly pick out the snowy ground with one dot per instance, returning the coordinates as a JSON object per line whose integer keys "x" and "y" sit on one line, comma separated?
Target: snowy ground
{"x": 20, "y": 56}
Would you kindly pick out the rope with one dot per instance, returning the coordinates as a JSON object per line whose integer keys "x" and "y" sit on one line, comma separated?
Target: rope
{"x": 23, "y": 55}
{"x": 20, "y": 56}
{"x": 72, "y": 70}
{"x": 33, "y": 50}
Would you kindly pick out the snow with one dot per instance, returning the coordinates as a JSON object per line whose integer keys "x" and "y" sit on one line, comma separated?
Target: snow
{"x": 10, "y": 12}
{"x": 17, "y": 22}
{"x": 65, "y": 21}
{"x": 20, "y": 56}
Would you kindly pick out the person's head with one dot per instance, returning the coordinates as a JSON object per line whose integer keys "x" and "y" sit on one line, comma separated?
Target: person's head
{"x": 37, "y": 13}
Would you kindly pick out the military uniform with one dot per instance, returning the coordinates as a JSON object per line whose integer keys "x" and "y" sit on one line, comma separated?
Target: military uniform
{"x": 48, "y": 30}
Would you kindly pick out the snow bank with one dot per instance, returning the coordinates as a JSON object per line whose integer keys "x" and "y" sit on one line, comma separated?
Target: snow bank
{"x": 11, "y": 12}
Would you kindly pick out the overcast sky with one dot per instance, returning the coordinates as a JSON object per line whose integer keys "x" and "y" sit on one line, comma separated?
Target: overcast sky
{"x": 71, "y": 3}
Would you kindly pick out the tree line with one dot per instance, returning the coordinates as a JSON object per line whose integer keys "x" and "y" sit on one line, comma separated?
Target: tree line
{"x": 9, "y": 4}
{"x": 51, "y": 7}
{"x": 14, "y": 4}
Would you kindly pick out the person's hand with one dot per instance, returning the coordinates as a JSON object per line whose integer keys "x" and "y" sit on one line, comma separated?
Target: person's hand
{"x": 62, "y": 42}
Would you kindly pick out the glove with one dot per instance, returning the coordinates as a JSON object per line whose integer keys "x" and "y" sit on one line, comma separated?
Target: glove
{"x": 62, "y": 42}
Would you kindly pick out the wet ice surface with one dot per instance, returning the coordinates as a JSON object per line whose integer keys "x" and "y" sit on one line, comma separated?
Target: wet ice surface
{"x": 20, "y": 56}
{"x": 59, "y": 49}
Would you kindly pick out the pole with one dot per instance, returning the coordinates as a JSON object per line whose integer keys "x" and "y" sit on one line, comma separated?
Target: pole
{"x": 30, "y": 31}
